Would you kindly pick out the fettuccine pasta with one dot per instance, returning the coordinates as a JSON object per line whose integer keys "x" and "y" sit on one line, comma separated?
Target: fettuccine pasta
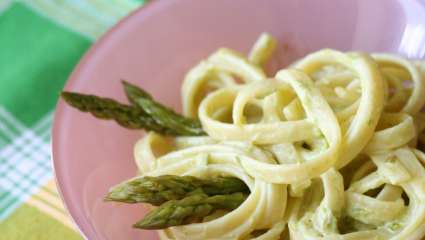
{"x": 329, "y": 147}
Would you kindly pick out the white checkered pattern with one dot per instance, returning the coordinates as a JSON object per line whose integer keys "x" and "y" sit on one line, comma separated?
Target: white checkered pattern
{"x": 24, "y": 160}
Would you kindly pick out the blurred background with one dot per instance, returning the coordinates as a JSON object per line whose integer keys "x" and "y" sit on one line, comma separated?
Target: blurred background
{"x": 41, "y": 41}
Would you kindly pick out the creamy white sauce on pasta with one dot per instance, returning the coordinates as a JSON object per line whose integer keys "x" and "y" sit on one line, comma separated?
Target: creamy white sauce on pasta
{"x": 327, "y": 146}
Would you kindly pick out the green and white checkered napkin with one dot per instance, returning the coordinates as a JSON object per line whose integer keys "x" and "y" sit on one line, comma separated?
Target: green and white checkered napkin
{"x": 40, "y": 43}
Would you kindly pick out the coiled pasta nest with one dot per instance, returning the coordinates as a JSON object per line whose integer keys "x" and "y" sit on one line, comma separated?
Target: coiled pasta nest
{"x": 329, "y": 146}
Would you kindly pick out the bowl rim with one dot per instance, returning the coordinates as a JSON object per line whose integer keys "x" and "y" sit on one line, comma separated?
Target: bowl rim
{"x": 82, "y": 223}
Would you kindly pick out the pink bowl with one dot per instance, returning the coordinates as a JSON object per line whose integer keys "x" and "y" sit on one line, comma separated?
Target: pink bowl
{"x": 156, "y": 45}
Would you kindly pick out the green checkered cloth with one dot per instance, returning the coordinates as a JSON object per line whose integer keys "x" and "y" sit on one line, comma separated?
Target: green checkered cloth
{"x": 40, "y": 43}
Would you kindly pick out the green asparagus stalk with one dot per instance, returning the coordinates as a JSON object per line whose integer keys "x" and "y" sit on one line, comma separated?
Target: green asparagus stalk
{"x": 160, "y": 113}
{"x": 105, "y": 108}
{"x": 166, "y": 117}
{"x": 134, "y": 92}
{"x": 189, "y": 210}
{"x": 154, "y": 118}
{"x": 157, "y": 190}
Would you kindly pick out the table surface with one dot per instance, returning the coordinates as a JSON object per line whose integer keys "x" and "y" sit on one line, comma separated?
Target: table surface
{"x": 41, "y": 42}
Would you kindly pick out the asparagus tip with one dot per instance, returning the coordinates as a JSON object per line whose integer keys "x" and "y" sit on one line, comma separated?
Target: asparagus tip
{"x": 125, "y": 82}
{"x": 65, "y": 94}
{"x": 69, "y": 97}
{"x": 133, "y": 91}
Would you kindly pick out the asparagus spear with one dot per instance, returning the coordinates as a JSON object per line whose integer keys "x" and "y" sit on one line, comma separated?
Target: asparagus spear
{"x": 134, "y": 92}
{"x": 188, "y": 210}
{"x": 105, "y": 108}
{"x": 160, "y": 113}
{"x": 166, "y": 117}
{"x": 157, "y": 190}
{"x": 135, "y": 117}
